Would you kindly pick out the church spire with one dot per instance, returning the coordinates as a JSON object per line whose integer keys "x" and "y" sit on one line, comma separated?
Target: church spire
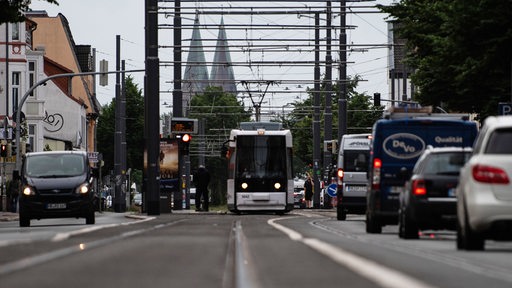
{"x": 195, "y": 79}
{"x": 222, "y": 71}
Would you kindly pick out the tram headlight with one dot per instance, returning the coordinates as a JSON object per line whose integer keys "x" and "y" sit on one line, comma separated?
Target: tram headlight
{"x": 244, "y": 185}
{"x": 277, "y": 185}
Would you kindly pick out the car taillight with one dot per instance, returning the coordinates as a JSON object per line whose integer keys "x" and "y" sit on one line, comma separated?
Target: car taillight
{"x": 489, "y": 174}
{"x": 377, "y": 164}
{"x": 341, "y": 173}
{"x": 419, "y": 187}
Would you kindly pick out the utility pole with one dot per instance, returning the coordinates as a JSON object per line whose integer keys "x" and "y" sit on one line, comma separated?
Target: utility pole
{"x": 152, "y": 110}
{"x": 342, "y": 100}
{"x": 316, "y": 117}
{"x": 328, "y": 101}
{"x": 119, "y": 193}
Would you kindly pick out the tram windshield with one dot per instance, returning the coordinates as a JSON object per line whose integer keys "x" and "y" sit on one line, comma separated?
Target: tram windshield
{"x": 261, "y": 157}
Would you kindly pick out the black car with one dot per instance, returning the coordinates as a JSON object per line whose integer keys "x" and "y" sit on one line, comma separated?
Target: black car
{"x": 428, "y": 200}
{"x": 56, "y": 184}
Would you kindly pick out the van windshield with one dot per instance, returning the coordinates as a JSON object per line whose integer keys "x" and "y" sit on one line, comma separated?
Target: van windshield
{"x": 54, "y": 165}
{"x": 356, "y": 160}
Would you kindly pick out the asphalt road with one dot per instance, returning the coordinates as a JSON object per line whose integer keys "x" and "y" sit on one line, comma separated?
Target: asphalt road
{"x": 306, "y": 248}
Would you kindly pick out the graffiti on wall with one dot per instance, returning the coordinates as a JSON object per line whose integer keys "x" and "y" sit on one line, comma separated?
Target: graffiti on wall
{"x": 53, "y": 122}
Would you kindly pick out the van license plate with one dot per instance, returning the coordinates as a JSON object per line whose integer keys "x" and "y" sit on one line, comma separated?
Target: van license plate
{"x": 56, "y": 206}
{"x": 356, "y": 188}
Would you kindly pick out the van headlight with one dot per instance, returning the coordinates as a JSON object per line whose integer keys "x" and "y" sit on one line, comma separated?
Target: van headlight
{"x": 82, "y": 189}
{"x": 244, "y": 185}
{"x": 277, "y": 185}
{"x": 28, "y": 191}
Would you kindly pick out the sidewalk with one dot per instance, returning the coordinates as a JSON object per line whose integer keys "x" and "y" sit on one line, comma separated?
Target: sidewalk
{"x": 8, "y": 216}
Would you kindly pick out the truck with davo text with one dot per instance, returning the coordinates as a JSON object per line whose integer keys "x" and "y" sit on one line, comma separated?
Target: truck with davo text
{"x": 398, "y": 140}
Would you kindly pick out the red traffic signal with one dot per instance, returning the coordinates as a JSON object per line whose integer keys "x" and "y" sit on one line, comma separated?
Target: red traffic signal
{"x": 186, "y": 138}
{"x": 3, "y": 151}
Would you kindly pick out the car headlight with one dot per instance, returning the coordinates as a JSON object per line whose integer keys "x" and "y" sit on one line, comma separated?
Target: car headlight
{"x": 244, "y": 185}
{"x": 82, "y": 189}
{"x": 277, "y": 185}
{"x": 27, "y": 191}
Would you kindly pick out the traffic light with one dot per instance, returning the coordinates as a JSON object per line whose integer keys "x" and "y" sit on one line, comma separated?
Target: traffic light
{"x": 3, "y": 152}
{"x": 376, "y": 99}
{"x": 185, "y": 142}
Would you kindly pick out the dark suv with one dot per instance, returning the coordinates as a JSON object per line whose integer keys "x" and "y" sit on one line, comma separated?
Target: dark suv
{"x": 428, "y": 200}
{"x": 56, "y": 184}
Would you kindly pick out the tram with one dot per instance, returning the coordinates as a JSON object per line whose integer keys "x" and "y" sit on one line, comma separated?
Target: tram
{"x": 260, "y": 170}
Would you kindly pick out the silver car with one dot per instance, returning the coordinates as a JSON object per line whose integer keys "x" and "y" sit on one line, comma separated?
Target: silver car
{"x": 484, "y": 192}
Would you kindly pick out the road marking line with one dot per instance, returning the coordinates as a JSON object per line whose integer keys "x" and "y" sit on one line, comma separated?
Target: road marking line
{"x": 63, "y": 236}
{"x": 382, "y": 276}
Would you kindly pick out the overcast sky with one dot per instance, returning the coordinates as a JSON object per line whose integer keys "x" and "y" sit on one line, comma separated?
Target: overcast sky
{"x": 97, "y": 22}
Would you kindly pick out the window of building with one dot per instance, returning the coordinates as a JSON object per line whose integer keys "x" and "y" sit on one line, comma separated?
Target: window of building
{"x": 15, "y": 27}
{"x": 15, "y": 89}
{"x": 31, "y": 75}
{"x": 32, "y": 136}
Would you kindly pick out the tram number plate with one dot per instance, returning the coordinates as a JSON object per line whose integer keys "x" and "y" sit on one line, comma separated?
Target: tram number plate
{"x": 56, "y": 206}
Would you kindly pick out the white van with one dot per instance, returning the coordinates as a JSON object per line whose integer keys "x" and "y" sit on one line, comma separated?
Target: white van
{"x": 353, "y": 163}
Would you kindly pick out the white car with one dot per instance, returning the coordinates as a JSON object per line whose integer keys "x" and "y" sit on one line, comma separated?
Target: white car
{"x": 484, "y": 192}
{"x": 137, "y": 199}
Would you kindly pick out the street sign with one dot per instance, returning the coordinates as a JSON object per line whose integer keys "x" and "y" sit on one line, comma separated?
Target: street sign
{"x": 93, "y": 157}
{"x": 505, "y": 108}
{"x": 332, "y": 189}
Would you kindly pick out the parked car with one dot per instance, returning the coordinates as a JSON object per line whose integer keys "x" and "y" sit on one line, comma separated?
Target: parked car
{"x": 298, "y": 198}
{"x": 298, "y": 194}
{"x": 428, "y": 200}
{"x": 56, "y": 184}
{"x": 137, "y": 199}
{"x": 484, "y": 193}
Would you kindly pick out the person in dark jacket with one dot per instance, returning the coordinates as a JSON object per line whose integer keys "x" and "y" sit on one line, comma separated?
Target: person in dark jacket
{"x": 201, "y": 181}
{"x": 308, "y": 191}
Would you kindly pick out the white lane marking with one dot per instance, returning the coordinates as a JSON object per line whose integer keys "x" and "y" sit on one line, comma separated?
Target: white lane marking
{"x": 382, "y": 276}
{"x": 66, "y": 235}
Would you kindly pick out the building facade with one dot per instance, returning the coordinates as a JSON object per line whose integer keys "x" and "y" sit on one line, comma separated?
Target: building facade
{"x": 61, "y": 114}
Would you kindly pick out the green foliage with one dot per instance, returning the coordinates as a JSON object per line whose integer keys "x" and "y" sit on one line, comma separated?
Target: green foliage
{"x": 134, "y": 127}
{"x": 220, "y": 112}
{"x": 361, "y": 115}
{"x": 12, "y": 11}
{"x": 460, "y": 51}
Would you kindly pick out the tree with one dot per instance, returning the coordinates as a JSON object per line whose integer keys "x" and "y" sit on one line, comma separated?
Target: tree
{"x": 361, "y": 115}
{"x": 460, "y": 51}
{"x": 134, "y": 127}
{"x": 207, "y": 108}
{"x": 12, "y": 11}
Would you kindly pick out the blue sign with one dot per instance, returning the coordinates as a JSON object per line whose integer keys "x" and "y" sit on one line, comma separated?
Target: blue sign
{"x": 331, "y": 189}
{"x": 505, "y": 108}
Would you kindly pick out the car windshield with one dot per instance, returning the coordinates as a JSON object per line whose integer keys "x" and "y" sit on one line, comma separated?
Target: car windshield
{"x": 446, "y": 163}
{"x": 54, "y": 165}
{"x": 356, "y": 160}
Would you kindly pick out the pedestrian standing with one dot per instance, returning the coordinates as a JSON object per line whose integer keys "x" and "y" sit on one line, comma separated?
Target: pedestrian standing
{"x": 201, "y": 181}
{"x": 308, "y": 191}
{"x": 14, "y": 191}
